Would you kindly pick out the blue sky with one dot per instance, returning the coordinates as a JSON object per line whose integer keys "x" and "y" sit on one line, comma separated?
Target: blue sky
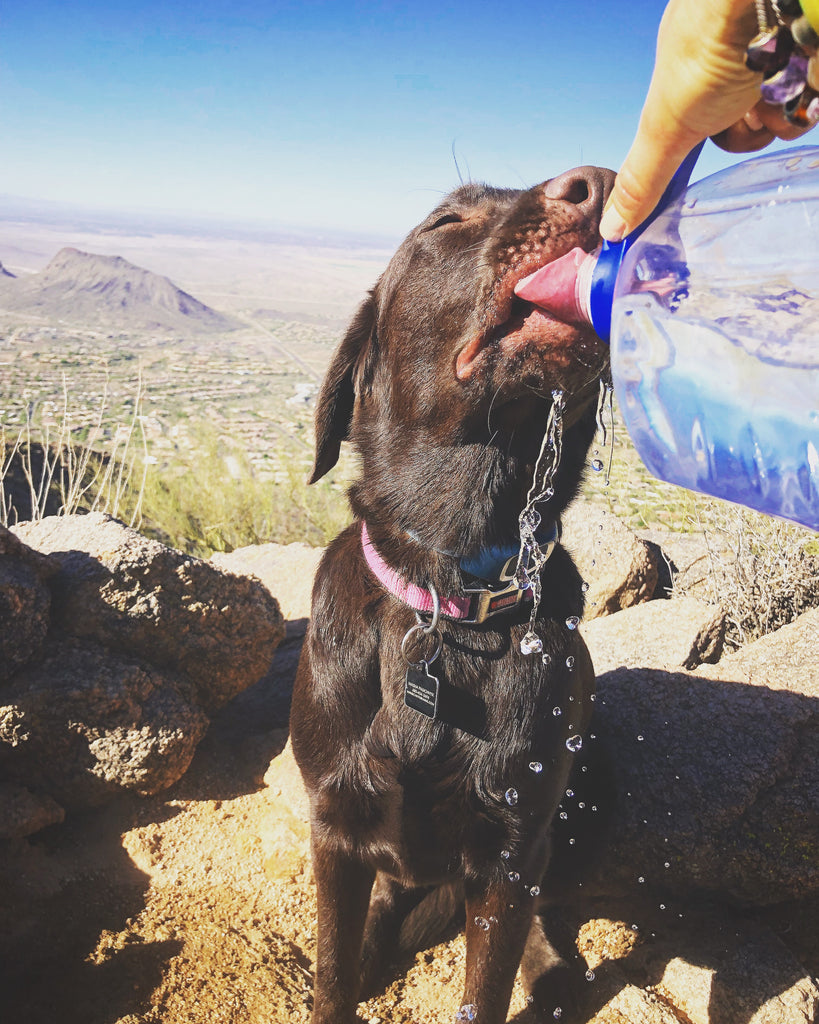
{"x": 329, "y": 114}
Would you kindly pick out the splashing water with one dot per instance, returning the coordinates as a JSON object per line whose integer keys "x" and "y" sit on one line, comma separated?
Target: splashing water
{"x": 531, "y": 558}
{"x": 605, "y": 409}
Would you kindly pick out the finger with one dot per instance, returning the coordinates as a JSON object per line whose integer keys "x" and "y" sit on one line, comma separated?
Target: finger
{"x": 644, "y": 176}
{"x": 773, "y": 118}
{"x": 748, "y": 135}
{"x": 813, "y": 72}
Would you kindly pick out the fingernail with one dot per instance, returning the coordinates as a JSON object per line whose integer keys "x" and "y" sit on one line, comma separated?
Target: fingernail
{"x": 753, "y": 120}
{"x": 612, "y": 226}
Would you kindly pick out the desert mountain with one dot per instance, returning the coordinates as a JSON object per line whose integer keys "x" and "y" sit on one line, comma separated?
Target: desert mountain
{"x": 84, "y": 288}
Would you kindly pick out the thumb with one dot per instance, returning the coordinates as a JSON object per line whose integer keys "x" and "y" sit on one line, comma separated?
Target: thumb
{"x": 648, "y": 168}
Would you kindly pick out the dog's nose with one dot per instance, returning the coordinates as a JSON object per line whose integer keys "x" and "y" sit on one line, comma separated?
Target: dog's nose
{"x": 584, "y": 187}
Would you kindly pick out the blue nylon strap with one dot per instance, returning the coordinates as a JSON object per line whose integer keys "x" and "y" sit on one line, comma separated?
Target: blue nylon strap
{"x": 488, "y": 564}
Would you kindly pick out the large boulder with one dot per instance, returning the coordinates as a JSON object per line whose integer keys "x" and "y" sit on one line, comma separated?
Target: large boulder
{"x": 640, "y": 635}
{"x": 138, "y": 597}
{"x": 135, "y": 646}
{"x": 85, "y": 723}
{"x": 710, "y": 779}
{"x": 621, "y": 569}
{"x": 287, "y": 570}
{"x": 25, "y": 602}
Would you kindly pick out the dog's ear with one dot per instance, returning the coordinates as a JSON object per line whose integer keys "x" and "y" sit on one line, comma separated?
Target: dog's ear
{"x": 350, "y": 369}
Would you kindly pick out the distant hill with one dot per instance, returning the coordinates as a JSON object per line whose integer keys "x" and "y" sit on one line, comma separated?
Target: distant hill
{"x": 84, "y": 288}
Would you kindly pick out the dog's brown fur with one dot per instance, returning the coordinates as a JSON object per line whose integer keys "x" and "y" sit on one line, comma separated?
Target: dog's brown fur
{"x": 443, "y": 384}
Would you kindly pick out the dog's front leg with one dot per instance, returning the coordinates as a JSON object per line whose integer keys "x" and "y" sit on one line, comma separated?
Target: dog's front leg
{"x": 343, "y": 886}
{"x": 498, "y": 919}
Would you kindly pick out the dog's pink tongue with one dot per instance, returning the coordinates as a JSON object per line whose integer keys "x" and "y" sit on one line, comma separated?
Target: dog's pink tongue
{"x": 559, "y": 286}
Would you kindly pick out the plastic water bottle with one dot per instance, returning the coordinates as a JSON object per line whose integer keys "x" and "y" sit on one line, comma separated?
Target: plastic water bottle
{"x": 713, "y": 314}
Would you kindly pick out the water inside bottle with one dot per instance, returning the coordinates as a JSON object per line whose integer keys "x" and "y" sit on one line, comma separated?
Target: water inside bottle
{"x": 715, "y": 337}
{"x": 712, "y": 405}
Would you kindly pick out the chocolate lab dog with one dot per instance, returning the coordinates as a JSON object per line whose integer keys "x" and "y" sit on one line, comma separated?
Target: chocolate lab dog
{"x": 433, "y": 753}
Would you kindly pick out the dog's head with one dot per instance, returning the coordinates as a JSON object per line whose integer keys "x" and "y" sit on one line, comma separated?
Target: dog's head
{"x": 442, "y": 358}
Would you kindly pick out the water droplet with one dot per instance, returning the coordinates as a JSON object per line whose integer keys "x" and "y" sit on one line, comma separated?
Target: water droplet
{"x": 640, "y": 738}
{"x": 597, "y": 465}
{"x": 564, "y": 816}
{"x": 531, "y": 643}
{"x": 589, "y": 975}
{"x": 513, "y": 876}
{"x": 536, "y": 767}
{"x": 581, "y": 805}
{"x": 548, "y": 493}
{"x": 666, "y": 865}
{"x": 467, "y": 1012}
{"x": 592, "y": 697}
{"x": 569, "y": 793}
{"x": 574, "y": 743}
{"x": 505, "y": 854}
{"x": 546, "y": 659}
{"x": 570, "y": 662}
{"x": 511, "y": 797}
{"x": 573, "y": 622}
{"x": 482, "y": 923}
{"x": 571, "y": 842}
{"x": 662, "y": 906}
{"x": 556, "y": 712}
{"x": 558, "y": 1013}
{"x": 641, "y": 880}
{"x": 530, "y": 519}
{"x": 594, "y": 807}
{"x": 534, "y": 890}
{"x": 530, "y": 999}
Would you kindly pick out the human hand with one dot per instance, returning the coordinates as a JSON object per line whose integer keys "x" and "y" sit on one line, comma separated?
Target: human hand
{"x": 700, "y": 88}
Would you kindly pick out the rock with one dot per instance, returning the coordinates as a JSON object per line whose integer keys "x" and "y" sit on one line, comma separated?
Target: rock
{"x": 113, "y": 687}
{"x": 84, "y": 724}
{"x": 621, "y": 570}
{"x": 730, "y": 971}
{"x": 22, "y": 812}
{"x": 285, "y": 834}
{"x": 711, "y": 967}
{"x": 287, "y": 570}
{"x": 137, "y": 597}
{"x": 681, "y": 633}
{"x": 710, "y": 780}
{"x": 687, "y": 557}
{"x": 24, "y": 604}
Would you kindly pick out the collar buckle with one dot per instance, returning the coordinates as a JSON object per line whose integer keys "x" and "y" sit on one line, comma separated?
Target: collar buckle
{"x": 486, "y": 601}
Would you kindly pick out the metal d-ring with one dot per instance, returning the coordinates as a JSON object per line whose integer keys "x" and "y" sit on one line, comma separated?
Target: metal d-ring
{"x": 428, "y": 629}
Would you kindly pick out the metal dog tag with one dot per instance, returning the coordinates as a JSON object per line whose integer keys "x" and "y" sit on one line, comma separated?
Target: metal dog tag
{"x": 421, "y": 690}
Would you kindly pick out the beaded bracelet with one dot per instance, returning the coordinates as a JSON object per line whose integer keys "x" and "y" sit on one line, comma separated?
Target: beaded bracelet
{"x": 780, "y": 52}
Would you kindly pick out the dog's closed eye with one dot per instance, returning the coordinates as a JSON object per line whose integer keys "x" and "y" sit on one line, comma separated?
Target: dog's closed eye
{"x": 447, "y": 218}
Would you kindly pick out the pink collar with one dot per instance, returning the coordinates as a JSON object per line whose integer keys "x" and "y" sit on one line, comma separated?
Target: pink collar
{"x": 477, "y": 604}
